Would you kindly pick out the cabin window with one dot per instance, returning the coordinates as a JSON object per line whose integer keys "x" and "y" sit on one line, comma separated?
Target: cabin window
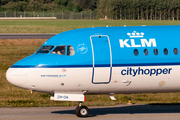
{"x": 60, "y": 50}
{"x": 165, "y": 51}
{"x": 136, "y": 52}
{"x": 175, "y": 51}
{"x": 156, "y": 52}
{"x": 70, "y": 50}
{"x": 45, "y": 49}
{"x": 146, "y": 52}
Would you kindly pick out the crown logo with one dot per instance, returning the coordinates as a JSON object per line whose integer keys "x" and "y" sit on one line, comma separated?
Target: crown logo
{"x": 136, "y": 34}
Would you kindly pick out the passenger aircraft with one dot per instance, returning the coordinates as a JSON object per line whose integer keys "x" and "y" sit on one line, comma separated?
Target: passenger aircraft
{"x": 102, "y": 60}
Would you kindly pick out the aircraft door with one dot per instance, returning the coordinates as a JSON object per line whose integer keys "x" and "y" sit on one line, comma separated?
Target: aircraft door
{"x": 102, "y": 59}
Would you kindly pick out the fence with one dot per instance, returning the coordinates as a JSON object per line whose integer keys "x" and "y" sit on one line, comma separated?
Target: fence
{"x": 59, "y": 15}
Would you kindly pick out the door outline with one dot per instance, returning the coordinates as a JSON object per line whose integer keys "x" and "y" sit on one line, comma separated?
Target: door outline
{"x": 93, "y": 59}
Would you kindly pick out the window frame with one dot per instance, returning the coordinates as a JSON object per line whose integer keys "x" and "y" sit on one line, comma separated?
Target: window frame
{"x": 175, "y": 52}
{"x": 146, "y": 50}
{"x": 134, "y": 52}
{"x": 167, "y": 51}
{"x": 157, "y": 51}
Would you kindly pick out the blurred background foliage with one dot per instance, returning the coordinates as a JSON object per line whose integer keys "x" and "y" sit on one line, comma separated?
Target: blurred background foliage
{"x": 113, "y": 9}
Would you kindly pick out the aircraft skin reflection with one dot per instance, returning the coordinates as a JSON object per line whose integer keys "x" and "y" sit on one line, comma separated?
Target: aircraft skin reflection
{"x": 102, "y": 60}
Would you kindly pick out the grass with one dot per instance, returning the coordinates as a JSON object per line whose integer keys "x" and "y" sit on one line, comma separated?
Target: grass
{"x": 58, "y": 26}
{"x": 14, "y": 50}
{"x": 12, "y": 96}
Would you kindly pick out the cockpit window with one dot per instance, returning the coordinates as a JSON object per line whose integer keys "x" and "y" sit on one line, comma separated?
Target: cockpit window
{"x": 70, "y": 50}
{"x": 45, "y": 49}
{"x": 60, "y": 50}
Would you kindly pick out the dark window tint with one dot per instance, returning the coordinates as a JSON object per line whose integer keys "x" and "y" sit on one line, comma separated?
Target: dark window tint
{"x": 146, "y": 52}
{"x": 60, "y": 50}
{"x": 165, "y": 51}
{"x": 175, "y": 51}
{"x": 70, "y": 50}
{"x": 156, "y": 52}
{"x": 45, "y": 49}
{"x": 136, "y": 52}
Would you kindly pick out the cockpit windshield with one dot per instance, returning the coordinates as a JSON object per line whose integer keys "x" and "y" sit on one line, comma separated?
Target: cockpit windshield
{"x": 70, "y": 50}
{"x": 60, "y": 50}
{"x": 45, "y": 49}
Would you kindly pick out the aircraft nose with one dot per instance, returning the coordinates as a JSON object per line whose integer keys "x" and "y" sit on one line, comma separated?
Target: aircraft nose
{"x": 17, "y": 76}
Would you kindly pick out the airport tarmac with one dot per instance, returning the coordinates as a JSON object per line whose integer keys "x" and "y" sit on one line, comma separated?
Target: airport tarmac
{"x": 118, "y": 112}
{"x": 27, "y": 36}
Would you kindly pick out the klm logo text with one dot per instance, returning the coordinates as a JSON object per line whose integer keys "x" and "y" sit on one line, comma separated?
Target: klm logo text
{"x": 131, "y": 43}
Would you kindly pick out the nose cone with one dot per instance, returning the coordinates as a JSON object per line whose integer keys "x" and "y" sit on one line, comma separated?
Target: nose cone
{"x": 17, "y": 76}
